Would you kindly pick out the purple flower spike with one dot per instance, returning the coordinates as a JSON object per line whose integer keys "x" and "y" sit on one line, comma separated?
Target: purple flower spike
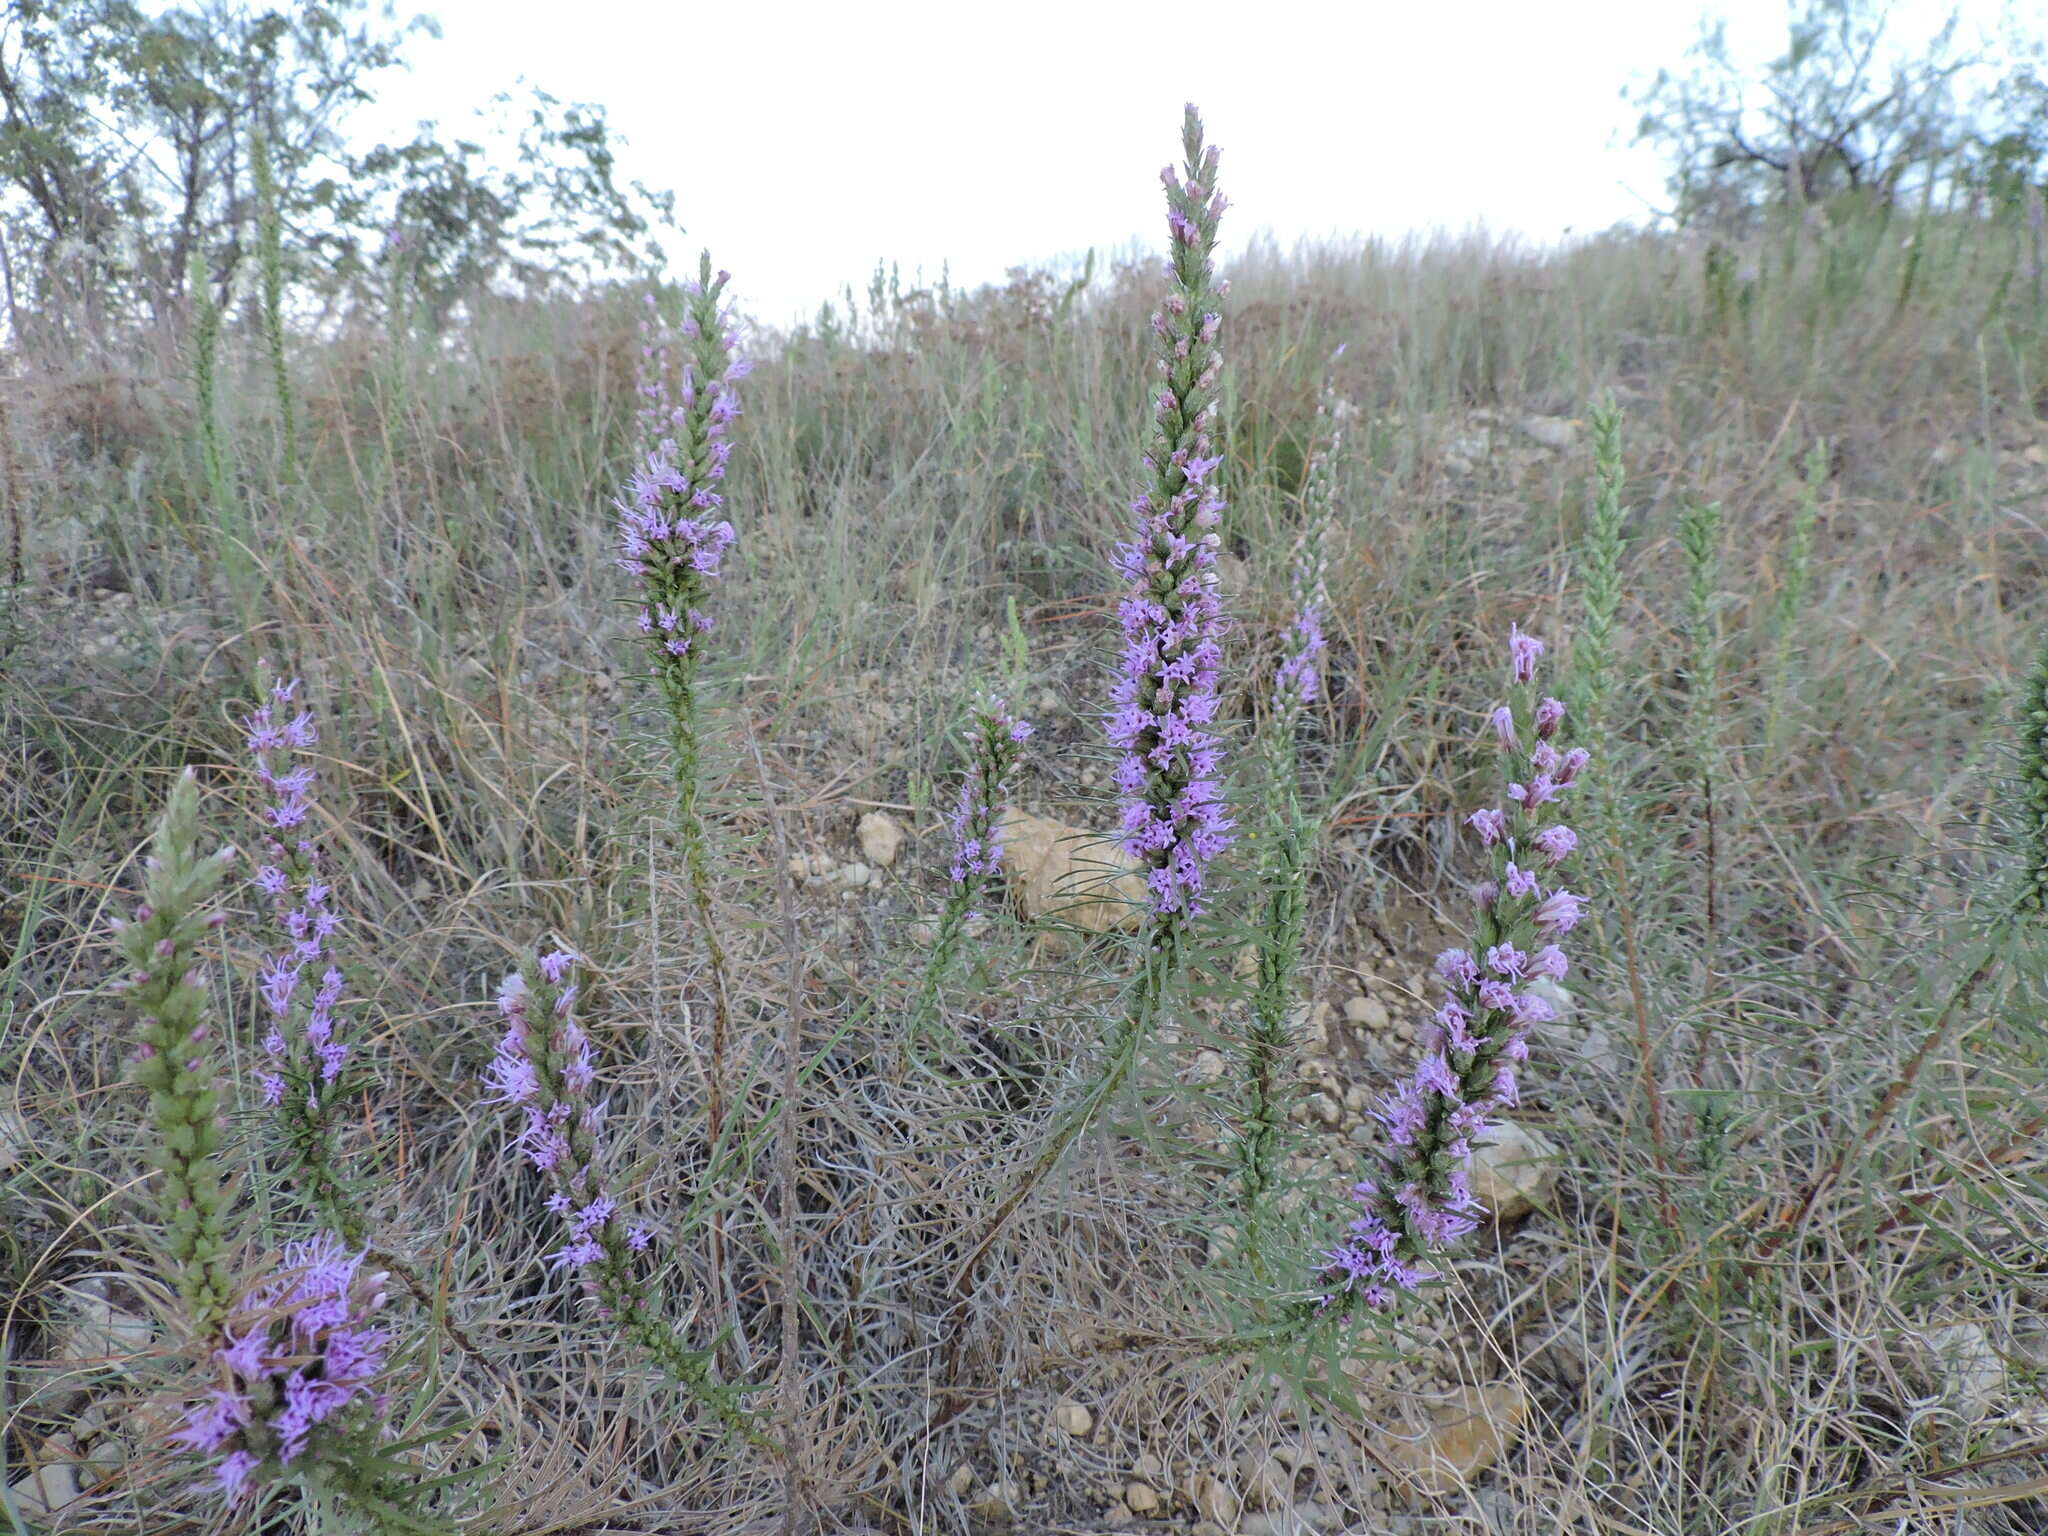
{"x": 670, "y": 531}
{"x": 543, "y": 1070}
{"x": 304, "y": 1052}
{"x": 1299, "y": 682}
{"x": 1522, "y": 653}
{"x": 1418, "y": 1201}
{"x": 1174, "y": 820}
{"x": 305, "y": 1365}
{"x": 977, "y": 818}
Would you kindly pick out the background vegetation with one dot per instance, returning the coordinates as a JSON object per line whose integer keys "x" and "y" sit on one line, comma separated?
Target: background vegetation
{"x": 1791, "y": 1277}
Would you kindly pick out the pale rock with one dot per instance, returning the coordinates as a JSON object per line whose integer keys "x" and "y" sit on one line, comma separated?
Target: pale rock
{"x": 1599, "y": 1051}
{"x": 1209, "y": 1066}
{"x": 1293, "y": 1455}
{"x": 999, "y": 1503}
{"x": 1369, "y": 1013}
{"x": 881, "y": 838}
{"x": 1073, "y": 1418}
{"x": 1150, "y": 1466}
{"x": 799, "y": 868}
{"x": 1463, "y": 453}
{"x": 1141, "y": 1499}
{"x": 107, "y": 1457}
{"x": 1560, "y": 1000}
{"x": 49, "y": 1488}
{"x": 1270, "y": 1484}
{"x": 822, "y": 865}
{"x": 1514, "y": 1170}
{"x": 854, "y": 876}
{"x": 100, "y": 1331}
{"x": 1071, "y": 875}
{"x": 1969, "y": 1369}
{"x": 1295, "y": 1520}
{"x": 1325, "y": 1109}
{"x": 1467, "y": 1433}
{"x": 14, "y": 1140}
{"x": 2036, "y": 453}
{"x": 961, "y": 1480}
{"x": 1556, "y": 432}
{"x": 1214, "y": 1499}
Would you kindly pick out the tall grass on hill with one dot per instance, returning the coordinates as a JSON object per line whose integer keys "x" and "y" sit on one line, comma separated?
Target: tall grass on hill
{"x": 1737, "y": 1344}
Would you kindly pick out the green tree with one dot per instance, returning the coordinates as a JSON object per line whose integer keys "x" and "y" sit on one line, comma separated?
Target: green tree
{"x": 126, "y": 162}
{"x": 1847, "y": 110}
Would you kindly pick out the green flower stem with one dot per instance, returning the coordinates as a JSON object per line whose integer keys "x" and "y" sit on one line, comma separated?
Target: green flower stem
{"x": 175, "y": 1060}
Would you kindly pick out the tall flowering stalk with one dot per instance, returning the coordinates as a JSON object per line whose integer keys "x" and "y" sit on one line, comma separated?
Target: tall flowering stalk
{"x": 1287, "y": 837}
{"x": 174, "y": 1059}
{"x": 1418, "y": 1202}
{"x": 1793, "y": 584}
{"x": 998, "y": 741}
{"x": 1168, "y": 773}
{"x": 544, "y": 1072}
{"x": 1172, "y": 616}
{"x": 1170, "y": 758}
{"x": 303, "y": 1076}
{"x": 672, "y": 537}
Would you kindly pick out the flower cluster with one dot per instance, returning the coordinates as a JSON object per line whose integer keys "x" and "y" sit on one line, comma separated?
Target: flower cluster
{"x": 670, "y": 533}
{"x": 976, "y": 824}
{"x": 1299, "y": 680}
{"x": 1174, "y": 818}
{"x": 1420, "y": 1201}
{"x": 543, "y": 1068}
{"x": 298, "y": 1352}
{"x": 303, "y": 1054}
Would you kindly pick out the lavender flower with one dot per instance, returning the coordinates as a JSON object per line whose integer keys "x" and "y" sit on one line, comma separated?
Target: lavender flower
{"x": 543, "y": 1071}
{"x": 977, "y": 840}
{"x": 1299, "y": 681}
{"x": 302, "y": 1053}
{"x": 299, "y": 1363}
{"x": 1418, "y": 1202}
{"x": 1174, "y": 818}
{"x": 302, "y": 1076}
{"x": 976, "y": 823}
{"x": 670, "y": 533}
{"x": 672, "y": 537}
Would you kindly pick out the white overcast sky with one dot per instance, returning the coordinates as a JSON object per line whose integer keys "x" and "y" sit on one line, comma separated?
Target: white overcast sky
{"x": 805, "y": 142}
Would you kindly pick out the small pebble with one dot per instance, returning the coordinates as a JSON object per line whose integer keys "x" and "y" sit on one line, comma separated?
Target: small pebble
{"x": 1074, "y": 1418}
